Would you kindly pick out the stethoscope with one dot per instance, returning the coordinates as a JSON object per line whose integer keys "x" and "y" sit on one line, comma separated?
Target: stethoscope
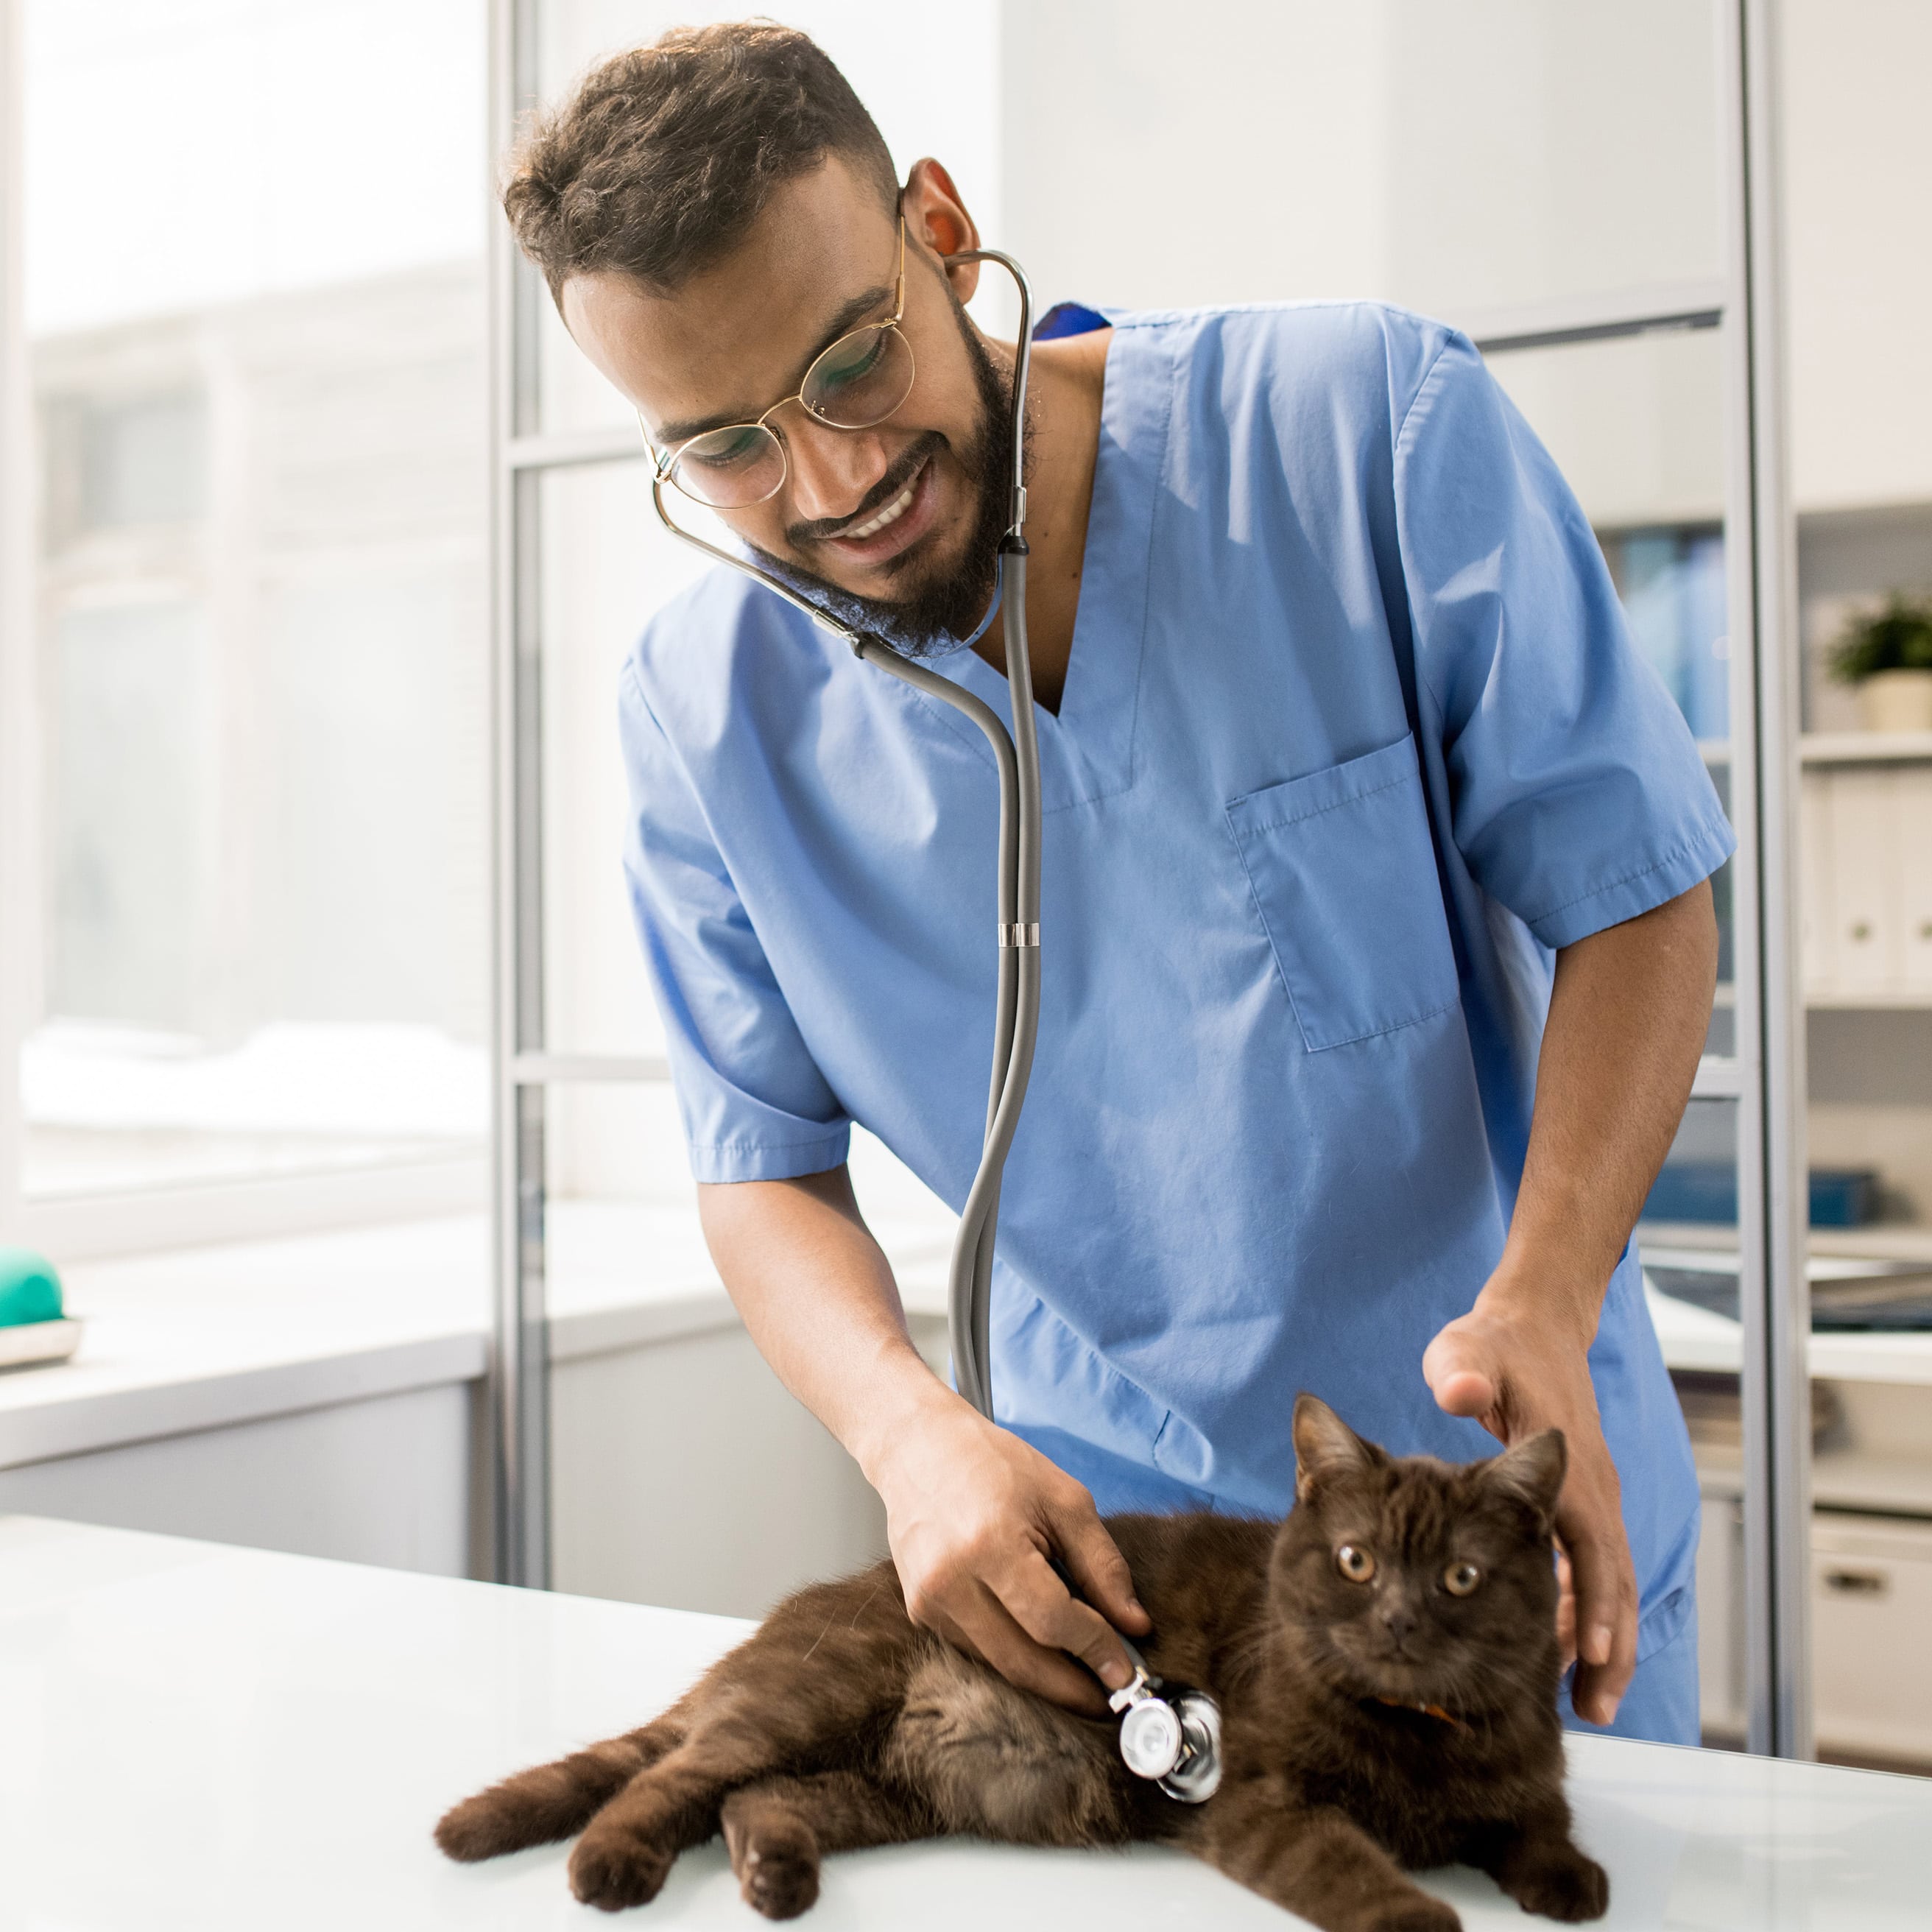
{"x": 1170, "y": 1733}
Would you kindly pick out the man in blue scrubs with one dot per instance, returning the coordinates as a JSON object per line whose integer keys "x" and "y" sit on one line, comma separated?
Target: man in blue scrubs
{"x": 1377, "y": 948}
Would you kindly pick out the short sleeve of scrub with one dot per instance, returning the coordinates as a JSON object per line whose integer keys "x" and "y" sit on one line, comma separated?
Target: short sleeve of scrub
{"x": 756, "y": 1107}
{"x": 1578, "y": 798}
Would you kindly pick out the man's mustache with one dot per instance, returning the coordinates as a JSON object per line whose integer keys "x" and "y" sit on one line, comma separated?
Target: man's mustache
{"x": 898, "y": 474}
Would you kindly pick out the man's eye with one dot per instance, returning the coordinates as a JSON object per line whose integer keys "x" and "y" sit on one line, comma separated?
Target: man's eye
{"x": 725, "y": 447}
{"x": 851, "y": 361}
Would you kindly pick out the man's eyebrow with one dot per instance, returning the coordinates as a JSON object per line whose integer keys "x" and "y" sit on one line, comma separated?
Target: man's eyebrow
{"x": 847, "y": 319}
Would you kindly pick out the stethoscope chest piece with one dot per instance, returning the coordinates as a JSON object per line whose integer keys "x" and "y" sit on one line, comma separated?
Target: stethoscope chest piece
{"x": 1171, "y": 1737}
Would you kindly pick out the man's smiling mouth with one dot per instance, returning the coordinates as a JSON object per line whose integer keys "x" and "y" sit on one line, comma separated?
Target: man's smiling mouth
{"x": 884, "y": 534}
{"x": 891, "y": 514}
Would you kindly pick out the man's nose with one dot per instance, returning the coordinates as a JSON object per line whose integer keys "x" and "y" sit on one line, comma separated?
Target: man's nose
{"x": 830, "y": 470}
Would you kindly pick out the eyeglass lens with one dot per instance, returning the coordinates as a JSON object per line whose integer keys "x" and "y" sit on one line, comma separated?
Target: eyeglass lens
{"x": 858, "y": 382}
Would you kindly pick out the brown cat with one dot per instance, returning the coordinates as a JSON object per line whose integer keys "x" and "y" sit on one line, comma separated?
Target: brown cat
{"x": 1386, "y": 1662}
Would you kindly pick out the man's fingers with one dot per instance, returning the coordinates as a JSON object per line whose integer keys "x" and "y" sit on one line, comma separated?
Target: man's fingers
{"x": 986, "y": 1629}
{"x": 1040, "y": 1603}
{"x": 1566, "y": 1610}
{"x": 1605, "y": 1629}
{"x": 1099, "y": 1570}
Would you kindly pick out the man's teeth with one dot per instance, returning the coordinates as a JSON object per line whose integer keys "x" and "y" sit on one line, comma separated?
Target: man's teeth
{"x": 891, "y": 514}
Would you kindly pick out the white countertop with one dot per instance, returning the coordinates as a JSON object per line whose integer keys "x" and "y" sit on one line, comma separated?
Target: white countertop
{"x": 201, "y": 1737}
{"x": 200, "y": 1338}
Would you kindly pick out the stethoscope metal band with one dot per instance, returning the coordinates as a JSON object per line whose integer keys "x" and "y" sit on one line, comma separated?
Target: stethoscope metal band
{"x": 1017, "y": 935}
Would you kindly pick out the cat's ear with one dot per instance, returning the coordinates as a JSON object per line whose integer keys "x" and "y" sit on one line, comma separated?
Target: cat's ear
{"x": 1532, "y": 1473}
{"x": 1325, "y": 1446}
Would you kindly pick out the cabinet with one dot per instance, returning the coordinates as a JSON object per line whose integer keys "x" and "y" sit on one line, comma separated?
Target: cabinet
{"x": 1871, "y": 1606}
{"x": 1871, "y": 1609}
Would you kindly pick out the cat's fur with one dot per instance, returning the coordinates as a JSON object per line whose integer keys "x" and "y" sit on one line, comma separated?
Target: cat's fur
{"x": 839, "y": 1725}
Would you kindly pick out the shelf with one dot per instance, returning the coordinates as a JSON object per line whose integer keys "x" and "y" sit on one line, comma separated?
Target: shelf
{"x": 1879, "y": 1001}
{"x": 1840, "y": 748}
{"x": 1694, "y": 1338}
{"x": 1895, "y": 1243}
{"x": 1863, "y": 747}
{"x": 1840, "y": 1479}
{"x": 1823, "y": 999}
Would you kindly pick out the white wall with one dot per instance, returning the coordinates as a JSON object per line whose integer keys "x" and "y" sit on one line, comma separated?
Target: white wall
{"x": 1451, "y": 158}
{"x": 1457, "y": 159}
{"x": 1858, "y": 188}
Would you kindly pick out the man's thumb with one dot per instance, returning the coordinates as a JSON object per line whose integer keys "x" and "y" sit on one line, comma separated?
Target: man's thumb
{"x": 1459, "y": 1378}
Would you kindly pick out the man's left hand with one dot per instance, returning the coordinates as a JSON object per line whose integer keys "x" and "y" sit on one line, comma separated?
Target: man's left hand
{"x": 1516, "y": 1374}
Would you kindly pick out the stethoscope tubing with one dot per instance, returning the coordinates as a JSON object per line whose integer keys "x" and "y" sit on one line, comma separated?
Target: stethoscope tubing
{"x": 1016, "y": 1006}
{"x": 1016, "y": 756}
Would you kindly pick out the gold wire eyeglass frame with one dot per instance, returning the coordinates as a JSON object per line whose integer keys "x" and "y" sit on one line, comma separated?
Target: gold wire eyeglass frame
{"x": 665, "y": 462}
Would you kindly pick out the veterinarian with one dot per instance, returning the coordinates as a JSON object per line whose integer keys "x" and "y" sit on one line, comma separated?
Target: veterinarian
{"x": 1382, "y": 944}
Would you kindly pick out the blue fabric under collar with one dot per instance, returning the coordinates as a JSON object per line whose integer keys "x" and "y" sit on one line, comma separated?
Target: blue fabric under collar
{"x": 1069, "y": 318}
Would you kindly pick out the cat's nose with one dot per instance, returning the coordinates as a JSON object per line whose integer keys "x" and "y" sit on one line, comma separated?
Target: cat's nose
{"x": 1398, "y": 1621}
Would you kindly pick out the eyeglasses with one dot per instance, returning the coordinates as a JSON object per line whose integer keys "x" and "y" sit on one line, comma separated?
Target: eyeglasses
{"x": 857, "y": 382}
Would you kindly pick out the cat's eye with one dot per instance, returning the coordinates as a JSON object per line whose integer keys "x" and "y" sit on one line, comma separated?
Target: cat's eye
{"x": 1354, "y": 1562}
{"x": 1460, "y": 1579}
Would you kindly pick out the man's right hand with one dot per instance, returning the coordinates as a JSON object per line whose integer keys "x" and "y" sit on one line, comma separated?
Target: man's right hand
{"x": 973, "y": 1514}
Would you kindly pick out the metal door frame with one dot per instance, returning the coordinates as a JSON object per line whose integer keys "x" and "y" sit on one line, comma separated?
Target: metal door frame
{"x": 1766, "y": 1077}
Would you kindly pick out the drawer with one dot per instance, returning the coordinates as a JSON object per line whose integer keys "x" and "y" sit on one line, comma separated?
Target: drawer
{"x": 1871, "y": 1609}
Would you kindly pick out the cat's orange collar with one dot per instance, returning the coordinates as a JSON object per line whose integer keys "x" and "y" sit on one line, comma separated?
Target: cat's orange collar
{"x": 1427, "y": 1710}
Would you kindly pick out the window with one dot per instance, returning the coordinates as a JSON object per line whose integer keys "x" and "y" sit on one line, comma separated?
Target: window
{"x": 253, "y": 818}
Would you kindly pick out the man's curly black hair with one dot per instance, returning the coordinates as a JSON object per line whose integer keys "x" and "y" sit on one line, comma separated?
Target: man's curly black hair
{"x": 666, "y": 155}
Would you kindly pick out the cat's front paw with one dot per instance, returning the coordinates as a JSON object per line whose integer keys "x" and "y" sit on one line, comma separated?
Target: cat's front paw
{"x": 1564, "y": 1884}
{"x": 613, "y": 1867}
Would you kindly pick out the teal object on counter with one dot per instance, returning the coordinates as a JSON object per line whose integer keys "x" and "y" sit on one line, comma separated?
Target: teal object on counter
{"x": 30, "y": 1291}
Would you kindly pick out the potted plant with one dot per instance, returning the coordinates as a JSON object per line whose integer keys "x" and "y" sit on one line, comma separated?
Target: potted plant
{"x": 1888, "y": 658}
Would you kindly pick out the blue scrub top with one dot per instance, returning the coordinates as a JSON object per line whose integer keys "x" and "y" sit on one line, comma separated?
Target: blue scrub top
{"x": 1353, "y": 736}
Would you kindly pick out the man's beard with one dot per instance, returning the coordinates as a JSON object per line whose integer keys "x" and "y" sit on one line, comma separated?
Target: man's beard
{"x": 934, "y": 616}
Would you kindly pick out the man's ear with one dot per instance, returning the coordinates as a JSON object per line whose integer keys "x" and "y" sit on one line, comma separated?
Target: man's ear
{"x": 1325, "y": 1446}
{"x": 935, "y": 215}
{"x": 1532, "y": 1473}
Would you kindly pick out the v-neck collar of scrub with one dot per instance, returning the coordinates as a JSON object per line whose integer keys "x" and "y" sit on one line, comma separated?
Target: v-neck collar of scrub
{"x": 1087, "y": 748}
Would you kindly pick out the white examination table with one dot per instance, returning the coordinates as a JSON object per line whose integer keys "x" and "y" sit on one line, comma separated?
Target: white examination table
{"x": 201, "y": 1737}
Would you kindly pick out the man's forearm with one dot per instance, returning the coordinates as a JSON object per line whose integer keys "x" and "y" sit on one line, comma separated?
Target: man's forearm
{"x": 972, "y": 1512}
{"x": 817, "y": 1293}
{"x": 1627, "y": 1024}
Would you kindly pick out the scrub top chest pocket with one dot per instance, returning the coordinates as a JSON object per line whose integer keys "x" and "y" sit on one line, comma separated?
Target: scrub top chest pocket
{"x": 1344, "y": 877}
